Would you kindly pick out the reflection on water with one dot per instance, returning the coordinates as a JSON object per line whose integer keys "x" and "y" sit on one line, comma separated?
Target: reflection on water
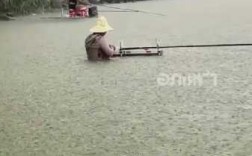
{"x": 54, "y": 102}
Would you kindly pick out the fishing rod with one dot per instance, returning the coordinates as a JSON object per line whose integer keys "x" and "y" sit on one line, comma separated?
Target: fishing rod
{"x": 189, "y": 46}
{"x": 127, "y": 51}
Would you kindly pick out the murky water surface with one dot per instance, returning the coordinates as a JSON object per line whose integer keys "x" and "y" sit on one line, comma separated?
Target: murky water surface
{"x": 54, "y": 102}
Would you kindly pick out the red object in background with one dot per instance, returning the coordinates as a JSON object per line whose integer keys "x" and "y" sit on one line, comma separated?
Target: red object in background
{"x": 81, "y": 11}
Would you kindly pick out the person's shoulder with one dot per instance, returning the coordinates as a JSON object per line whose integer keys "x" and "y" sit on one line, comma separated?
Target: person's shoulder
{"x": 92, "y": 39}
{"x": 89, "y": 36}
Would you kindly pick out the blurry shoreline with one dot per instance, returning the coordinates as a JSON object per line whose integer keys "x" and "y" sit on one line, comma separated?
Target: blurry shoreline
{"x": 23, "y": 8}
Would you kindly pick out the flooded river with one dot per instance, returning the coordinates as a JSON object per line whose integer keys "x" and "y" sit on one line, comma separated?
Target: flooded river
{"x": 54, "y": 102}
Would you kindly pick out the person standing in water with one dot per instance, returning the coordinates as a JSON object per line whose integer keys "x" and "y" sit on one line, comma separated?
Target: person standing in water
{"x": 96, "y": 45}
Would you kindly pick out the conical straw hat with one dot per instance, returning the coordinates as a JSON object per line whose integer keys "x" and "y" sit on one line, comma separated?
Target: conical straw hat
{"x": 101, "y": 26}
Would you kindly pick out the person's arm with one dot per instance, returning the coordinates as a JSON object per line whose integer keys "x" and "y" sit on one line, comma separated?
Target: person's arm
{"x": 106, "y": 47}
